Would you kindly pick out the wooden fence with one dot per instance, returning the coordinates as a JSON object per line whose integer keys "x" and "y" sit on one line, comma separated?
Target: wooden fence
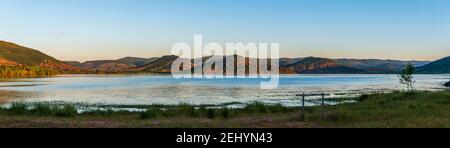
{"x": 303, "y": 97}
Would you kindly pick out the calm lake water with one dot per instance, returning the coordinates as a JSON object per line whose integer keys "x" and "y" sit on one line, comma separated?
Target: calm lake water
{"x": 151, "y": 89}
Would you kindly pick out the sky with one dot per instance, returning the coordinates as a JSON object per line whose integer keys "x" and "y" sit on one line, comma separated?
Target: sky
{"x": 81, "y": 30}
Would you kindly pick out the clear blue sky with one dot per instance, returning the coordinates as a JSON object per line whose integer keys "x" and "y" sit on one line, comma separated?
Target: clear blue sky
{"x": 109, "y": 29}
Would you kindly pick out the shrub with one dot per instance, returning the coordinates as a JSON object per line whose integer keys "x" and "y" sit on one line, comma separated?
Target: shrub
{"x": 256, "y": 107}
{"x": 18, "y": 108}
{"x": 225, "y": 113}
{"x": 66, "y": 111}
{"x": 149, "y": 114}
{"x": 211, "y": 113}
{"x": 43, "y": 110}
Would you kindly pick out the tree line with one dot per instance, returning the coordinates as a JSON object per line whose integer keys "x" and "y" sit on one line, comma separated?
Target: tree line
{"x": 25, "y": 71}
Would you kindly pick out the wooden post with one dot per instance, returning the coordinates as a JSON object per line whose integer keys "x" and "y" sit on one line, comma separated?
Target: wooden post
{"x": 323, "y": 106}
{"x": 303, "y": 107}
{"x": 323, "y": 99}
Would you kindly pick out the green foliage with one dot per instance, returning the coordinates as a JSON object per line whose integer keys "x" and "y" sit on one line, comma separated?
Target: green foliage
{"x": 41, "y": 109}
{"x": 258, "y": 107}
{"x": 149, "y": 114}
{"x": 225, "y": 112}
{"x": 407, "y": 77}
{"x": 17, "y": 108}
{"x": 66, "y": 111}
{"x": 25, "y": 71}
{"x": 396, "y": 109}
{"x": 210, "y": 113}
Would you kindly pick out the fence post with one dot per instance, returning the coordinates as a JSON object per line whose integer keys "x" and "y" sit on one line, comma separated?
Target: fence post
{"x": 323, "y": 106}
{"x": 303, "y": 107}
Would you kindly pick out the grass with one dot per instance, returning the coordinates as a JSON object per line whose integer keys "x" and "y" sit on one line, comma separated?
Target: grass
{"x": 209, "y": 112}
{"x": 397, "y": 109}
{"x": 41, "y": 109}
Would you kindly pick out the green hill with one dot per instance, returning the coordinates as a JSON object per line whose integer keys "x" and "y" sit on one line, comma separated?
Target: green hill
{"x": 441, "y": 66}
{"x": 161, "y": 65}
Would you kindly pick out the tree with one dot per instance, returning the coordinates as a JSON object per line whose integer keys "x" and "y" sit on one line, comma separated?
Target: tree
{"x": 406, "y": 77}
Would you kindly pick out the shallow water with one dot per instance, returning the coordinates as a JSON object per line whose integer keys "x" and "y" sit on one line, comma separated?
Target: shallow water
{"x": 163, "y": 89}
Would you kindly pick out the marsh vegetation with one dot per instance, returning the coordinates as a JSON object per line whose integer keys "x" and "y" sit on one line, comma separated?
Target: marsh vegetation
{"x": 397, "y": 109}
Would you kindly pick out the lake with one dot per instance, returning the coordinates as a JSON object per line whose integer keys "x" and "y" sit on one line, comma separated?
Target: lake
{"x": 163, "y": 89}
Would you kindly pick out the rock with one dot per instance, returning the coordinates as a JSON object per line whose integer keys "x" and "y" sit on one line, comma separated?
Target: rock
{"x": 447, "y": 84}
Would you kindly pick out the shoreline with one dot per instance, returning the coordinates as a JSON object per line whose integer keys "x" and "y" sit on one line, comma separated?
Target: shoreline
{"x": 398, "y": 109}
{"x": 19, "y": 95}
{"x": 5, "y": 79}
{"x": 7, "y": 96}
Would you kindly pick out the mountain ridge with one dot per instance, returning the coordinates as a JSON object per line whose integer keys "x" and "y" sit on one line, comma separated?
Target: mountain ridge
{"x": 440, "y": 66}
{"x": 306, "y": 65}
{"x": 12, "y": 54}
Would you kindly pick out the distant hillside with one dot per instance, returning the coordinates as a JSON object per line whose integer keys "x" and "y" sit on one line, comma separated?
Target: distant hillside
{"x": 314, "y": 65}
{"x": 378, "y": 66}
{"x": 330, "y": 66}
{"x": 138, "y": 62}
{"x": 288, "y": 61}
{"x": 160, "y": 65}
{"x": 308, "y": 65}
{"x": 14, "y": 55}
{"x": 441, "y": 66}
{"x": 119, "y": 65}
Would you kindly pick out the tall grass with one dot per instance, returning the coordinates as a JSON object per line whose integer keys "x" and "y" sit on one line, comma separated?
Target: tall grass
{"x": 392, "y": 109}
{"x": 41, "y": 109}
{"x": 65, "y": 111}
{"x": 17, "y": 108}
{"x": 397, "y": 108}
{"x": 152, "y": 111}
{"x": 209, "y": 112}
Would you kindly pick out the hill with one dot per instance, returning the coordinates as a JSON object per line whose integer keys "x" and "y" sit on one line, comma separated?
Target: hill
{"x": 376, "y": 66}
{"x": 119, "y": 65}
{"x": 308, "y": 65}
{"x": 15, "y": 55}
{"x": 441, "y": 66}
{"x": 160, "y": 65}
{"x": 314, "y": 65}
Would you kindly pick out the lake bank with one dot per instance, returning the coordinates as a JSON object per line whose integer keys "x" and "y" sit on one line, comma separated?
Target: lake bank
{"x": 164, "y": 89}
{"x": 398, "y": 109}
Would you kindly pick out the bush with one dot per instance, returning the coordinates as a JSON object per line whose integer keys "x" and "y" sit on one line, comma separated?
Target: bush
{"x": 18, "y": 108}
{"x": 225, "y": 113}
{"x": 256, "y": 107}
{"x": 363, "y": 97}
{"x": 149, "y": 114}
{"x": 188, "y": 110}
{"x": 210, "y": 113}
{"x": 66, "y": 111}
{"x": 43, "y": 110}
